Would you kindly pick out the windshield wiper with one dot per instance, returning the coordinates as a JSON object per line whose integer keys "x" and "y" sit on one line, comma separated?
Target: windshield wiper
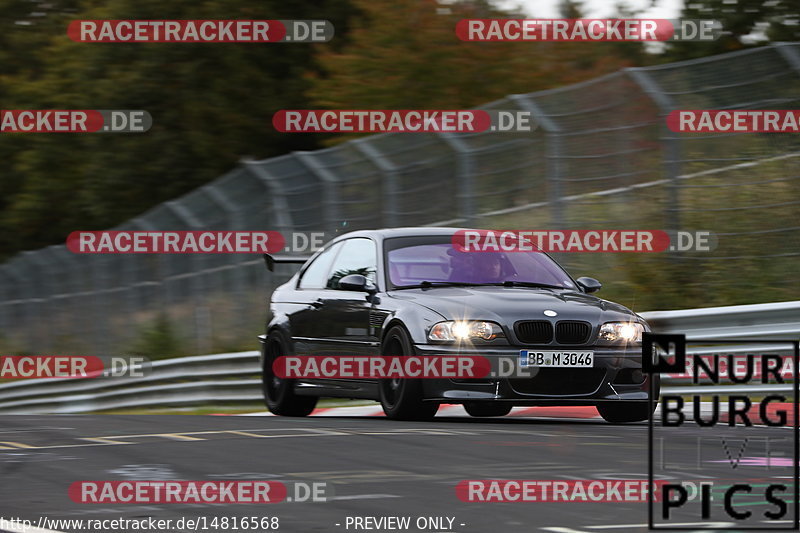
{"x": 511, "y": 283}
{"x": 429, "y": 284}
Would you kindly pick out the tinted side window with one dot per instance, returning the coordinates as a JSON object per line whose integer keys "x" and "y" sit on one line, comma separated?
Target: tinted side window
{"x": 358, "y": 256}
{"x": 316, "y": 274}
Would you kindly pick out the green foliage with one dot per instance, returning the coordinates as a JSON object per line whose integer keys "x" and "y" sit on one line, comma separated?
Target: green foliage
{"x": 211, "y": 105}
{"x": 754, "y": 251}
{"x": 745, "y": 23}
{"x": 159, "y": 340}
{"x": 404, "y": 54}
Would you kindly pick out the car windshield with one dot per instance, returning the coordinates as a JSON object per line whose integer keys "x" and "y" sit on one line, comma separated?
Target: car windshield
{"x": 441, "y": 263}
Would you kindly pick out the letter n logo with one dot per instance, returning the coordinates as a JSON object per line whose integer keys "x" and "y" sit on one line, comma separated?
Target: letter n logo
{"x": 663, "y": 353}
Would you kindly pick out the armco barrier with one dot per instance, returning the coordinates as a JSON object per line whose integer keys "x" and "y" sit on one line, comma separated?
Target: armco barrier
{"x": 772, "y": 321}
{"x": 234, "y": 377}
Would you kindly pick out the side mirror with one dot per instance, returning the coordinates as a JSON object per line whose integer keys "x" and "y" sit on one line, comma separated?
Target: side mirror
{"x": 589, "y": 284}
{"x": 356, "y": 282}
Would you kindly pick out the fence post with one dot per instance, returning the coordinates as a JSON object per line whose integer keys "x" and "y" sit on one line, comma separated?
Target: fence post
{"x": 389, "y": 171}
{"x": 330, "y": 184}
{"x": 554, "y": 152}
{"x": 465, "y": 176}
{"x": 28, "y": 312}
{"x": 236, "y": 223}
{"x": 48, "y": 276}
{"x": 671, "y": 142}
{"x": 133, "y": 297}
{"x": 22, "y": 322}
{"x": 202, "y": 326}
{"x": 99, "y": 280}
{"x": 30, "y": 309}
{"x": 73, "y": 276}
{"x": 165, "y": 294}
{"x": 280, "y": 206}
{"x": 43, "y": 287}
{"x": 790, "y": 54}
{"x": 5, "y": 302}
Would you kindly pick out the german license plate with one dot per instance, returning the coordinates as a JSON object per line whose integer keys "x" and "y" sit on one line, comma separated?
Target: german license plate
{"x": 554, "y": 359}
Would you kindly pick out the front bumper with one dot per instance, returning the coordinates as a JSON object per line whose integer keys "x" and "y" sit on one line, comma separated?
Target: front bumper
{"x": 616, "y": 375}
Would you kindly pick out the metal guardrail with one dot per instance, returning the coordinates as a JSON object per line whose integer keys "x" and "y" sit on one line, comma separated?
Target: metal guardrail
{"x": 772, "y": 321}
{"x": 233, "y": 377}
{"x": 214, "y": 378}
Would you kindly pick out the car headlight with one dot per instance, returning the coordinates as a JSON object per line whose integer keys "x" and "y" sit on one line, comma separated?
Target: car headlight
{"x": 465, "y": 330}
{"x": 621, "y": 331}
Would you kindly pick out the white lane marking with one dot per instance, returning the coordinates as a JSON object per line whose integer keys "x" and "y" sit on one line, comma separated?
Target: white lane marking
{"x": 14, "y": 445}
{"x": 244, "y": 434}
{"x": 104, "y": 440}
{"x": 177, "y": 436}
{"x": 30, "y": 430}
{"x": 14, "y": 528}
{"x": 282, "y": 432}
{"x": 704, "y": 525}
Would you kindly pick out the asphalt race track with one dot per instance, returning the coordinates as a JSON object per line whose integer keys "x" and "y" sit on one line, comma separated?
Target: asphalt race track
{"x": 374, "y": 466}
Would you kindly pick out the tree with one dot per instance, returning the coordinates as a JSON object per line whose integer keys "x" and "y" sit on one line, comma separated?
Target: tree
{"x": 404, "y": 54}
{"x": 211, "y": 105}
{"x": 745, "y": 23}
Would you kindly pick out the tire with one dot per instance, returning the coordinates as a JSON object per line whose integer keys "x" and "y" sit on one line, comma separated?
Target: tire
{"x": 401, "y": 399}
{"x": 622, "y": 412}
{"x": 480, "y": 409}
{"x": 279, "y": 393}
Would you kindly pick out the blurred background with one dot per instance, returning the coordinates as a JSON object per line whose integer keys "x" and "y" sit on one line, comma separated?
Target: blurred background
{"x": 601, "y": 157}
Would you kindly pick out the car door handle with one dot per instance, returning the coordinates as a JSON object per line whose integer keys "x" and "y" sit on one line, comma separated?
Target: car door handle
{"x": 316, "y": 304}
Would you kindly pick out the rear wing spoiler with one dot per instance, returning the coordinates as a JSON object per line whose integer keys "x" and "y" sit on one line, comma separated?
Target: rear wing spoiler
{"x": 272, "y": 260}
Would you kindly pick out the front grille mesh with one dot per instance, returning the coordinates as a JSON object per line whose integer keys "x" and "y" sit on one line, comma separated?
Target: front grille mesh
{"x": 572, "y": 332}
{"x": 566, "y": 332}
{"x": 534, "y": 332}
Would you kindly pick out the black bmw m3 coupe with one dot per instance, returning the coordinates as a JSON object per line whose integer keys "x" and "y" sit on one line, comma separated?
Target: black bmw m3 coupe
{"x": 411, "y": 292}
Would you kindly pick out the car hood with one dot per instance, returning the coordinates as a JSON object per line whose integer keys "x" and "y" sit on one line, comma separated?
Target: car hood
{"x": 509, "y": 304}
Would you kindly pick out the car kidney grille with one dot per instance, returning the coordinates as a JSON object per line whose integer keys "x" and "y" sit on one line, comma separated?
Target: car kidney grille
{"x": 534, "y": 332}
{"x": 572, "y": 332}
